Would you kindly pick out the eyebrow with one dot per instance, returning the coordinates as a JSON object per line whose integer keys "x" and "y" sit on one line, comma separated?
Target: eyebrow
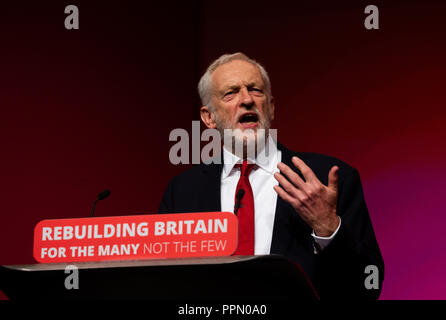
{"x": 232, "y": 87}
{"x": 236, "y": 86}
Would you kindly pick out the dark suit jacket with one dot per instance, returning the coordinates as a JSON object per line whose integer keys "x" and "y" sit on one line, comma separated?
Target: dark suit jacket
{"x": 336, "y": 272}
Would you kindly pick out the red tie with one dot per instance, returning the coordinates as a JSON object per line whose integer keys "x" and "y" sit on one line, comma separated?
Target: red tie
{"x": 246, "y": 213}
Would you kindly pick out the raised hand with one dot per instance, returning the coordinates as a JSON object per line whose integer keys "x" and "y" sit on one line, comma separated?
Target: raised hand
{"x": 312, "y": 200}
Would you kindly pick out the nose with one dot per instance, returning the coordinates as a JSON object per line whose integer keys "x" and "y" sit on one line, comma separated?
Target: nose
{"x": 246, "y": 99}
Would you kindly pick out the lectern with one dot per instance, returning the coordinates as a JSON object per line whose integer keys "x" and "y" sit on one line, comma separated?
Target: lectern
{"x": 271, "y": 278}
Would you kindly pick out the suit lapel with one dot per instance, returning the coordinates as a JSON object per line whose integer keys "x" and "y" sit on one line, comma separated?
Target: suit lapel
{"x": 211, "y": 197}
{"x": 288, "y": 226}
{"x": 281, "y": 237}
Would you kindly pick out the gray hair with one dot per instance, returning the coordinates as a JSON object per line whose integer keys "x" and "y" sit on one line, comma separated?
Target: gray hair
{"x": 205, "y": 84}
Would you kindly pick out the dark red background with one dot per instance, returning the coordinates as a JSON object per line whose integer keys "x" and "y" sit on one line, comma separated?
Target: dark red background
{"x": 91, "y": 109}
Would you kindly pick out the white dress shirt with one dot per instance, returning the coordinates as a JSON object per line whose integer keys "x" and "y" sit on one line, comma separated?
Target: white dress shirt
{"x": 262, "y": 182}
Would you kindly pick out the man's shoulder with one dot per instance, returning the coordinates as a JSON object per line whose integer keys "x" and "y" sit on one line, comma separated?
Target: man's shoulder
{"x": 193, "y": 190}
{"x": 316, "y": 161}
{"x": 322, "y": 159}
{"x": 197, "y": 172}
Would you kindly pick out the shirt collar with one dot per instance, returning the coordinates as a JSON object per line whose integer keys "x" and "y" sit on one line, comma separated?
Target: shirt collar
{"x": 267, "y": 163}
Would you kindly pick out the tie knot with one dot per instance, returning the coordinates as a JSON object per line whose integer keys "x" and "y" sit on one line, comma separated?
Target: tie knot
{"x": 246, "y": 168}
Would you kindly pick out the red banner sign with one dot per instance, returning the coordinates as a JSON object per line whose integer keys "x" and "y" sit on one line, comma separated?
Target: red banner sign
{"x": 157, "y": 236}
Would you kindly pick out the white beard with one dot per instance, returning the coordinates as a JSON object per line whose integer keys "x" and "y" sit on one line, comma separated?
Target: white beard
{"x": 243, "y": 143}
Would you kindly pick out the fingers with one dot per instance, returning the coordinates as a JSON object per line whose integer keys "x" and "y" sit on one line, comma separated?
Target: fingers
{"x": 287, "y": 186}
{"x": 311, "y": 179}
{"x": 313, "y": 201}
{"x": 284, "y": 195}
{"x": 293, "y": 176}
{"x": 306, "y": 171}
{"x": 333, "y": 178}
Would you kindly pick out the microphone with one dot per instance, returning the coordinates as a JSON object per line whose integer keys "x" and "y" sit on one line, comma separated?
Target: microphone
{"x": 104, "y": 194}
{"x": 238, "y": 200}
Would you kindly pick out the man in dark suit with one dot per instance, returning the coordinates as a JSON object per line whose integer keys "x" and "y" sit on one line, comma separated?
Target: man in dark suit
{"x": 307, "y": 207}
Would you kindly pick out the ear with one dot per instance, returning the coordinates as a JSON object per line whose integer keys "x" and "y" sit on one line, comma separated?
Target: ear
{"x": 207, "y": 117}
{"x": 273, "y": 107}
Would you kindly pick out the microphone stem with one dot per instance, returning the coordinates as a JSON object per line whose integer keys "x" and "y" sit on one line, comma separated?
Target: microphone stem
{"x": 237, "y": 206}
{"x": 92, "y": 209}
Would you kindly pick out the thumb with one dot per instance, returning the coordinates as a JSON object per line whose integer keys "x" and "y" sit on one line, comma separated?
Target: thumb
{"x": 333, "y": 178}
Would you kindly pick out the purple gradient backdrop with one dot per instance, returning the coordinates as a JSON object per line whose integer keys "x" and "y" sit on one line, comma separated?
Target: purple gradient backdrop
{"x": 92, "y": 109}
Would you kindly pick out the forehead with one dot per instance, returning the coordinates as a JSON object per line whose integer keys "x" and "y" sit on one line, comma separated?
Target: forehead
{"x": 236, "y": 73}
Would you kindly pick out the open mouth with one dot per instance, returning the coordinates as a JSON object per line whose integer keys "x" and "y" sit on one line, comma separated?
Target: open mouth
{"x": 249, "y": 120}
